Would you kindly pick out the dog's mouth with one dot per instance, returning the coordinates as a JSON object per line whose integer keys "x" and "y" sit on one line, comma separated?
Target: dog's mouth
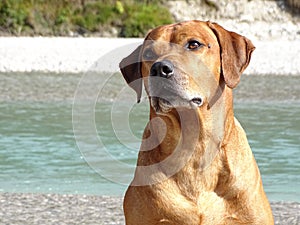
{"x": 163, "y": 105}
{"x": 169, "y": 93}
{"x": 160, "y": 105}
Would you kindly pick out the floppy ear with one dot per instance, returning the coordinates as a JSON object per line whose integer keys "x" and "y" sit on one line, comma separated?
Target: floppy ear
{"x": 131, "y": 71}
{"x": 235, "y": 53}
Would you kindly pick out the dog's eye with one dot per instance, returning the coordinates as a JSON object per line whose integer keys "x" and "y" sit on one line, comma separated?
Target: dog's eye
{"x": 193, "y": 45}
{"x": 148, "y": 54}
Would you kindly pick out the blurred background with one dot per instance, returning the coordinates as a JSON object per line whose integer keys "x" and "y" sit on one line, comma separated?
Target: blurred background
{"x": 132, "y": 18}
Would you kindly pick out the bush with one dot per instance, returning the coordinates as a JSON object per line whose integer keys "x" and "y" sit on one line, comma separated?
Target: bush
{"x": 58, "y": 17}
{"x": 13, "y": 15}
{"x": 140, "y": 18}
{"x": 94, "y": 15}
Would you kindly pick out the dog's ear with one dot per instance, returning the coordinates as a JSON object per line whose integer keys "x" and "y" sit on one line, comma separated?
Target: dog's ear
{"x": 131, "y": 71}
{"x": 235, "y": 53}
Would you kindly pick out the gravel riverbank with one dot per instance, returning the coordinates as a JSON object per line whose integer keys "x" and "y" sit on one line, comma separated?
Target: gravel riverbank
{"x": 21, "y": 209}
{"x": 76, "y": 55}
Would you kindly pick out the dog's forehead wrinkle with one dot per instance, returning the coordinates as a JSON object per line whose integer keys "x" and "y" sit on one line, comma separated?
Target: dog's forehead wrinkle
{"x": 178, "y": 31}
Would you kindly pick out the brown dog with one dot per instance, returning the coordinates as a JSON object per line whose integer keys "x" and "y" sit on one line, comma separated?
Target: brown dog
{"x": 195, "y": 165}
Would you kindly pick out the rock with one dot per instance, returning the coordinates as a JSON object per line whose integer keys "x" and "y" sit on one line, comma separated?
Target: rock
{"x": 263, "y": 19}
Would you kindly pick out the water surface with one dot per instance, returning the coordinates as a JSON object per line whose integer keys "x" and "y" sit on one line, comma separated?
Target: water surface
{"x": 38, "y": 151}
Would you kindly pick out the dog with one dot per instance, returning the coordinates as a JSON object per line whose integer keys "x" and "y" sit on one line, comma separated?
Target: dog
{"x": 195, "y": 165}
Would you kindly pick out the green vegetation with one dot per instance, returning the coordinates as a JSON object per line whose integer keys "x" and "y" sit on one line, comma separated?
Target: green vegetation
{"x": 131, "y": 18}
{"x": 141, "y": 18}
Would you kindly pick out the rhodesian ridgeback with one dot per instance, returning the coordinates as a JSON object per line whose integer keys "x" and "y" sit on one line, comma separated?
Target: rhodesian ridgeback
{"x": 195, "y": 165}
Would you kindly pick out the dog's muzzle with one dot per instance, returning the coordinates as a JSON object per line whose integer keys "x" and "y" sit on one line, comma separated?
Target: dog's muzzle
{"x": 165, "y": 90}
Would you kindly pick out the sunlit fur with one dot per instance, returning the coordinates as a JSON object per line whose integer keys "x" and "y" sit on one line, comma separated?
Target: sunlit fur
{"x": 222, "y": 188}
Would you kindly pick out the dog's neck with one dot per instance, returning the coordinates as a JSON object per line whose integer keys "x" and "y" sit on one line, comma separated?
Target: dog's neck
{"x": 187, "y": 140}
{"x": 189, "y": 128}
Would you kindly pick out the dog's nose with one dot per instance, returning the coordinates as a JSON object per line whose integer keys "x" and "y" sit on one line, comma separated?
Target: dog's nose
{"x": 163, "y": 69}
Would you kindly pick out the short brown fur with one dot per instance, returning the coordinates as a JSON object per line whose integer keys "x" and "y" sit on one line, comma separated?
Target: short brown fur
{"x": 227, "y": 191}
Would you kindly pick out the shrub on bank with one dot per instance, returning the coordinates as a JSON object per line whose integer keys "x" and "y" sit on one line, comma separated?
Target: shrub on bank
{"x": 131, "y": 18}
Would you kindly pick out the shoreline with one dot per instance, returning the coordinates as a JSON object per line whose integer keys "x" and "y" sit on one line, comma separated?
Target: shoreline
{"x": 79, "y": 55}
{"x": 18, "y": 208}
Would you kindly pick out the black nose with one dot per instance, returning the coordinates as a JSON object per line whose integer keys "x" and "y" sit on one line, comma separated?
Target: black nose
{"x": 163, "y": 69}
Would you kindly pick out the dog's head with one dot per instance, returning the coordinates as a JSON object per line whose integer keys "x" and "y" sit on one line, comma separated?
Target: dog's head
{"x": 182, "y": 64}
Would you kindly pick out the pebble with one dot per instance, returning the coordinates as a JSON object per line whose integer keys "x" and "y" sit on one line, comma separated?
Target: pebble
{"x": 62, "y": 209}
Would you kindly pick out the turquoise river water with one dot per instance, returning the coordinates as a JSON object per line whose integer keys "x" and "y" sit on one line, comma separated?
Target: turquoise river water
{"x": 39, "y": 153}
